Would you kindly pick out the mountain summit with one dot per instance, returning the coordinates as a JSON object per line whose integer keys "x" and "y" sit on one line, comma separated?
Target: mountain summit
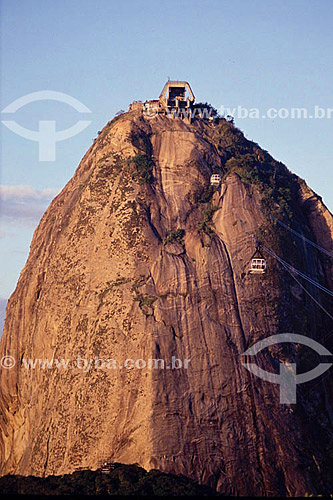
{"x": 141, "y": 258}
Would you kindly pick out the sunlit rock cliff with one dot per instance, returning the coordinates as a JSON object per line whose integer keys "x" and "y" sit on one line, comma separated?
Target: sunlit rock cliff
{"x": 140, "y": 258}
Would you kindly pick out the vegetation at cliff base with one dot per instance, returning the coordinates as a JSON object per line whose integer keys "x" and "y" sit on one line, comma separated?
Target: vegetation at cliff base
{"x": 123, "y": 480}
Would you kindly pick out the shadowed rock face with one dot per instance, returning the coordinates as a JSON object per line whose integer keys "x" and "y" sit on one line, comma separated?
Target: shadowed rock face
{"x": 108, "y": 276}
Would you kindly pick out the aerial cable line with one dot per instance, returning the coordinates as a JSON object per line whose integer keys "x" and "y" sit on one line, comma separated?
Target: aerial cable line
{"x": 294, "y": 270}
{"x": 291, "y": 270}
{"x": 327, "y": 252}
{"x": 306, "y": 291}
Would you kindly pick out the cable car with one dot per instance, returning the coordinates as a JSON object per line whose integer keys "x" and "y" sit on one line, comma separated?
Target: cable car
{"x": 258, "y": 266}
{"x": 258, "y": 263}
{"x": 215, "y": 180}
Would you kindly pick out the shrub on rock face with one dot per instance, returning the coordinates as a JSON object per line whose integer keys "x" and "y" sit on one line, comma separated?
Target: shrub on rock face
{"x": 206, "y": 223}
{"x": 175, "y": 237}
{"x": 144, "y": 168}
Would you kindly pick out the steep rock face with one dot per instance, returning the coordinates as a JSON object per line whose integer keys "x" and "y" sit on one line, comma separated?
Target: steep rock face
{"x": 128, "y": 266}
{"x": 320, "y": 222}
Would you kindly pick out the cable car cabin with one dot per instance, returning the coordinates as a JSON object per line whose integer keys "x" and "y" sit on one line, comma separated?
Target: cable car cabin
{"x": 215, "y": 180}
{"x": 258, "y": 266}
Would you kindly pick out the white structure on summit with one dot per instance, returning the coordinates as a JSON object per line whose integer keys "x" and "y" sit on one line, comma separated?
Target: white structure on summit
{"x": 176, "y": 99}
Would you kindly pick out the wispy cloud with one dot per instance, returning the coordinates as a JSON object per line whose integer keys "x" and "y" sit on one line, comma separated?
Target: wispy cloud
{"x": 3, "y": 233}
{"x": 26, "y": 193}
{"x": 23, "y": 204}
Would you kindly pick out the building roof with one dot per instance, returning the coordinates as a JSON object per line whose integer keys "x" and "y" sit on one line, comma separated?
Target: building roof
{"x": 177, "y": 83}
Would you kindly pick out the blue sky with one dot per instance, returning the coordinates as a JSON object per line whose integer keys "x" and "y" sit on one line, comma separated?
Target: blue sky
{"x": 255, "y": 54}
